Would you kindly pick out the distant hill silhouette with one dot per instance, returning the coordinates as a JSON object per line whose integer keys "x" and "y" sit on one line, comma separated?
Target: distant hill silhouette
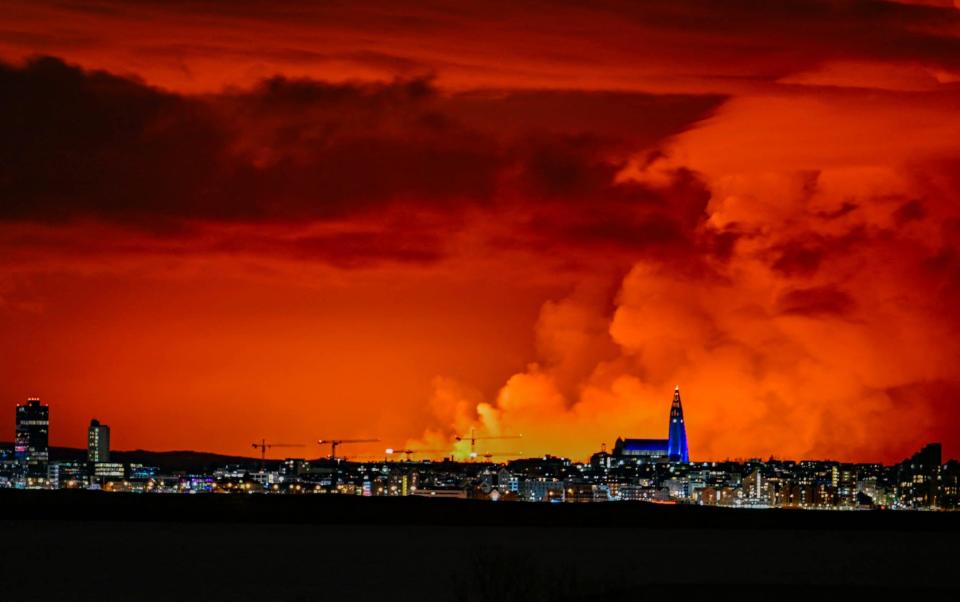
{"x": 178, "y": 460}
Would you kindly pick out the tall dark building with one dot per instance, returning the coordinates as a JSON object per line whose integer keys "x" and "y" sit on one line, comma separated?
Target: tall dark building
{"x": 918, "y": 477}
{"x": 33, "y": 436}
{"x": 677, "y": 447}
{"x": 98, "y": 442}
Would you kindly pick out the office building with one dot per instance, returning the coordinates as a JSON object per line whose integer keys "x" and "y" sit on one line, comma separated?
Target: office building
{"x": 31, "y": 447}
{"x": 98, "y": 442}
{"x": 918, "y": 477}
{"x": 109, "y": 470}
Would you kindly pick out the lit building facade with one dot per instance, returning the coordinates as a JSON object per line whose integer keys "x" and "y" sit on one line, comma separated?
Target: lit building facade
{"x": 673, "y": 448}
{"x": 98, "y": 442}
{"x": 32, "y": 444}
{"x": 918, "y": 477}
{"x": 650, "y": 470}
{"x": 677, "y": 443}
{"x": 108, "y": 470}
{"x": 641, "y": 448}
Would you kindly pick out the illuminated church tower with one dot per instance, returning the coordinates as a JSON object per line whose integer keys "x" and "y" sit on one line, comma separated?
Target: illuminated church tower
{"x": 677, "y": 446}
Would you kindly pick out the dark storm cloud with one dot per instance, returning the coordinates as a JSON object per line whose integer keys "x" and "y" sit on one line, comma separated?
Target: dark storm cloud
{"x": 78, "y": 143}
{"x": 909, "y": 211}
{"x": 91, "y": 145}
{"x": 768, "y": 38}
{"x": 816, "y": 301}
{"x": 83, "y": 144}
{"x": 350, "y": 249}
{"x": 804, "y": 254}
{"x": 385, "y": 61}
{"x": 798, "y": 259}
{"x": 799, "y": 32}
{"x": 623, "y": 220}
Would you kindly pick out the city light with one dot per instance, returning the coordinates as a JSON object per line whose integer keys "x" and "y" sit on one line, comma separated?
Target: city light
{"x": 636, "y": 470}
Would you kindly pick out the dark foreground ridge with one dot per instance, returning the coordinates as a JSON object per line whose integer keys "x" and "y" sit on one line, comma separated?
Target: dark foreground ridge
{"x": 103, "y": 547}
{"x": 355, "y": 510}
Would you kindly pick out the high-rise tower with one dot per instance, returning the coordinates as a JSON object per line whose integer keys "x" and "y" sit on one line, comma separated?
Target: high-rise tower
{"x": 677, "y": 445}
{"x": 31, "y": 447}
{"x": 98, "y": 442}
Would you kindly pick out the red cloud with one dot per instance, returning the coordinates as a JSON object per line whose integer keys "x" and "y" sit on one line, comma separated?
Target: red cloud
{"x": 758, "y": 202}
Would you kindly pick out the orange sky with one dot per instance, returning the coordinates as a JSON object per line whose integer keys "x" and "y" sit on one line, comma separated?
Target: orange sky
{"x": 405, "y": 220}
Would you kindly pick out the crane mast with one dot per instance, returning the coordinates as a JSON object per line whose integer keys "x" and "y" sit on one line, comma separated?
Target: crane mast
{"x": 335, "y": 443}
{"x": 473, "y": 438}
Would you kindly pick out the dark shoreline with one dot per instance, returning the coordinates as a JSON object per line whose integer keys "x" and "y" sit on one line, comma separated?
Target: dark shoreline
{"x": 351, "y": 510}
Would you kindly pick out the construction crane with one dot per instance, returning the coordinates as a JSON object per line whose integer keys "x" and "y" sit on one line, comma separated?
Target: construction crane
{"x": 473, "y": 438}
{"x": 409, "y": 452}
{"x": 488, "y": 455}
{"x": 335, "y": 443}
{"x": 365, "y": 458}
{"x": 263, "y": 446}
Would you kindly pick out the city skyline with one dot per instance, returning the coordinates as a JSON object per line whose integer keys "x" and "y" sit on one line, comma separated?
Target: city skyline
{"x": 33, "y": 427}
{"x": 408, "y": 221}
{"x": 479, "y": 300}
{"x": 635, "y": 470}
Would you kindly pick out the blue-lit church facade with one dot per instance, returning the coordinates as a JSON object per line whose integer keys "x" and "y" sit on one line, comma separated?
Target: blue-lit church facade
{"x": 674, "y": 448}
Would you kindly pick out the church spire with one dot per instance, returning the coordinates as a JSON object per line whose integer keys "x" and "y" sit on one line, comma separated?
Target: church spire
{"x": 677, "y": 446}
